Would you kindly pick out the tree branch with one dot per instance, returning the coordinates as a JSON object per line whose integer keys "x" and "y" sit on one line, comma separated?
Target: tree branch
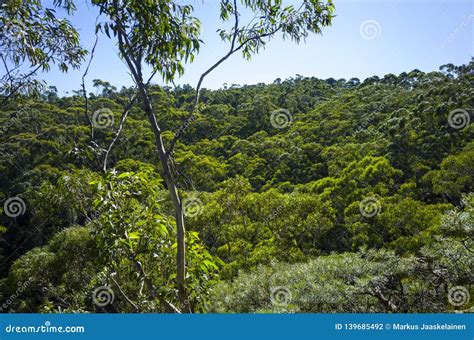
{"x": 84, "y": 92}
{"x": 120, "y": 128}
{"x": 191, "y": 117}
{"x": 20, "y": 84}
{"x": 169, "y": 307}
{"x": 124, "y": 295}
{"x": 123, "y": 118}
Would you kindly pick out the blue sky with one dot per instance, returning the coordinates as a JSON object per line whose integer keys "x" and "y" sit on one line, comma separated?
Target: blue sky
{"x": 408, "y": 34}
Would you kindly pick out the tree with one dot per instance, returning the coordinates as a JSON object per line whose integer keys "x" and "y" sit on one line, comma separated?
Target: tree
{"x": 32, "y": 38}
{"x": 107, "y": 88}
{"x": 163, "y": 34}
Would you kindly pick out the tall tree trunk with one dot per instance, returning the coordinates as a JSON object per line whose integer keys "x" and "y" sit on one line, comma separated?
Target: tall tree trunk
{"x": 134, "y": 65}
{"x": 175, "y": 199}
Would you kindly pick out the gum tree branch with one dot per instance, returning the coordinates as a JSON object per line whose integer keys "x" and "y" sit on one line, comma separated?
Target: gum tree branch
{"x": 120, "y": 128}
{"x": 84, "y": 92}
{"x": 169, "y": 307}
{"x": 20, "y": 84}
{"x": 232, "y": 50}
{"x": 124, "y": 295}
{"x": 123, "y": 118}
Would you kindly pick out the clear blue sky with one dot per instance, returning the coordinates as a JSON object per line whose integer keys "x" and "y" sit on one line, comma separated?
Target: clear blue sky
{"x": 422, "y": 34}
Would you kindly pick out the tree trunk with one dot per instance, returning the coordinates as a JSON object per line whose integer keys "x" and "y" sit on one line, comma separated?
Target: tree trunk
{"x": 175, "y": 199}
{"x": 135, "y": 68}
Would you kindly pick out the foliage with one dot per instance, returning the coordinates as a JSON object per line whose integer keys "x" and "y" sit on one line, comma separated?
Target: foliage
{"x": 134, "y": 230}
{"x": 33, "y": 38}
{"x": 361, "y": 204}
{"x": 369, "y": 281}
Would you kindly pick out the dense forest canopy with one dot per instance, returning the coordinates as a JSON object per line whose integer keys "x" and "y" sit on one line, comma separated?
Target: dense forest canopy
{"x": 304, "y": 195}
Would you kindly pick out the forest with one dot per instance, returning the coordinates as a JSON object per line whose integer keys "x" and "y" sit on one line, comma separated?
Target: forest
{"x": 357, "y": 197}
{"x": 304, "y": 195}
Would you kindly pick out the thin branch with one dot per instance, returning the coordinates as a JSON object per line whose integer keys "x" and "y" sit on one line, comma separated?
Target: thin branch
{"x": 201, "y": 79}
{"x": 84, "y": 92}
{"x": 169, "y": 307}
{"x": 8, "y": 75}
{"x": 121, "y": 34}
{"x": 232, "y": 50}
{"x": 124, "y": 295}
{"x": 123, "y": 118}
{"x": 20, "y": 85}
{"x": 42, "y": 64}
{"x": 120, "y": 128}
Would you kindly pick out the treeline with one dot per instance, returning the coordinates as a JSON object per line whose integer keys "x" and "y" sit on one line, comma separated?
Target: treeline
{"x": 303, "y": 195}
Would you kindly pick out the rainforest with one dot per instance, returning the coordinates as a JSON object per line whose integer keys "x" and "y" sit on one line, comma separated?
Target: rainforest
{"x": 302, "y": 195}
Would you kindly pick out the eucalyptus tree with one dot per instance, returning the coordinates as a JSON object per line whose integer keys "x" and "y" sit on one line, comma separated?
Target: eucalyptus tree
{"x": 162, "y": 35}
{"x": 32, "y": 39}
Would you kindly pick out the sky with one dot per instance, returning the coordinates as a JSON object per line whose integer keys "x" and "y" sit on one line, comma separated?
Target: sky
{"x": 367, "y": 37}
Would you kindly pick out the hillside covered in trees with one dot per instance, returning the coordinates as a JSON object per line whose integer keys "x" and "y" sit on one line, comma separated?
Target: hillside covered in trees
{"x": 304, "y": 195}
